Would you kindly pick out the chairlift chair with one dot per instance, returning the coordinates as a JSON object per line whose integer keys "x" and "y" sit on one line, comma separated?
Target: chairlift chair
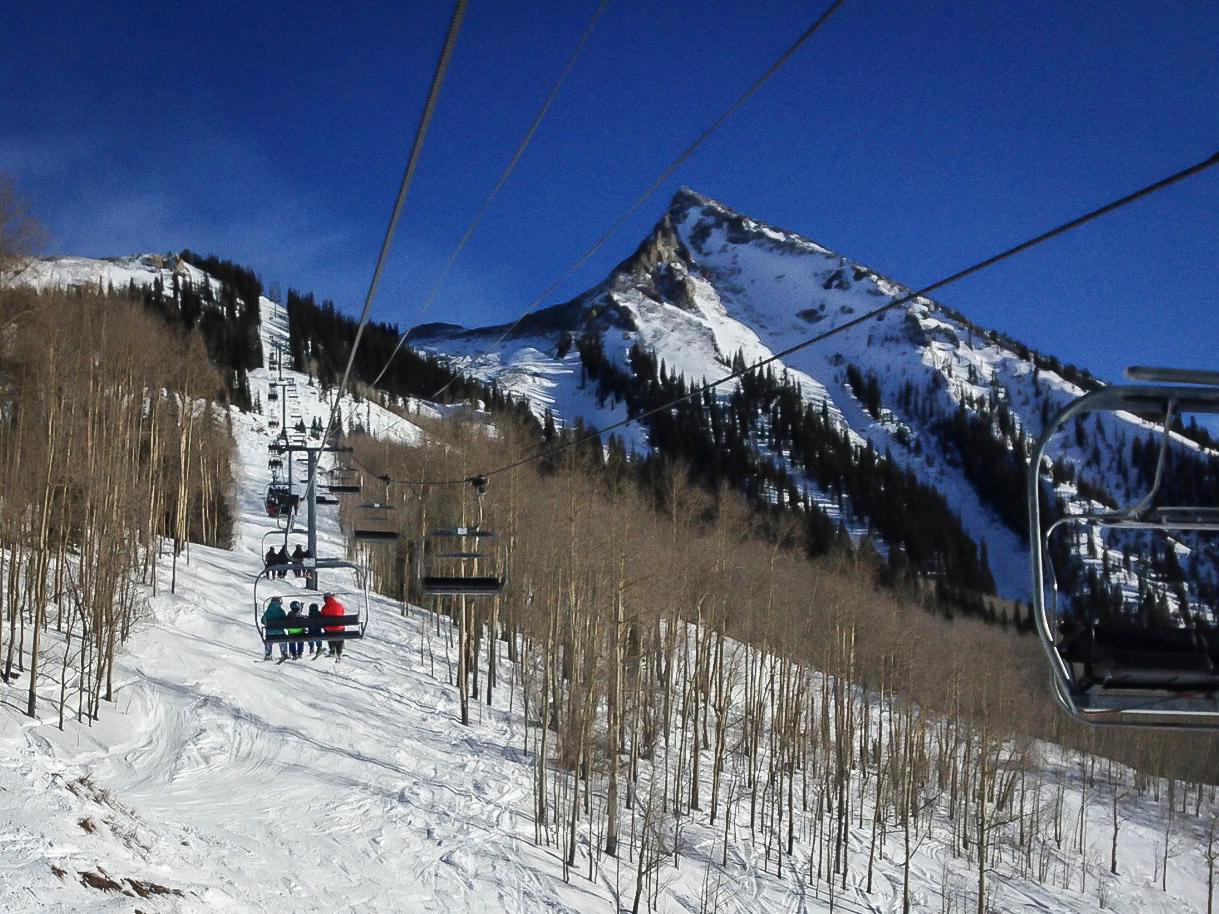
{"x": 272, "y": 394}
{"x": 1127, "y": 671}
{"x": 278, "y": 500}
{"x": 375, "y": 523}
{"x": 278, "y": 535}
{"x": 342, "y": 480}
{"x": 351, "y": 626}
{"x": 464, "y": 561}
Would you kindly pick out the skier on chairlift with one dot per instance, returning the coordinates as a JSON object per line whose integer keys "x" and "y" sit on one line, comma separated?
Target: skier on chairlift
{"x": 296, "y": 614}
{"x": 274, "y": 614}
{"x": 298, "y": 558}
{"x": 281, "y": 560}
{"x": 315, "y": 631}
{"x": 269, "y": 559}
{"x": 331, "y": 607}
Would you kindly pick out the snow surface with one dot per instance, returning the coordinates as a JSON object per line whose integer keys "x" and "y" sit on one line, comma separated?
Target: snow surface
{"x": 117, "y": 273}
{"x": 315, "y": 786}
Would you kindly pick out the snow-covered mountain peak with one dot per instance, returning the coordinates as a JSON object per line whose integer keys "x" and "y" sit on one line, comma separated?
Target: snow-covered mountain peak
{"x": 950, "y": 404}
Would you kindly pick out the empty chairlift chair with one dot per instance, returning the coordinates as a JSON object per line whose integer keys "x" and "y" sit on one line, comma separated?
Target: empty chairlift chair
{"x": 375, "y": 523}
{"x": 464, "y": 561}
{"x": 1131, "y": 667}
{"x": 341, "y": 480}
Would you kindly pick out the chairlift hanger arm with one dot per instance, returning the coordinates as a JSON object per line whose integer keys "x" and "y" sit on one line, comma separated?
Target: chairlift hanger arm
{"x": 1173, "y": 375}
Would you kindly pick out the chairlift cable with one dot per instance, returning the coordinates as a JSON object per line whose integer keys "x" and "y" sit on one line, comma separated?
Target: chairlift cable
{"x": 425, "y": 120}
{"x": 978, "y": 267}
{"x": 655, "y": 185}
{"x": 503, "y": 179}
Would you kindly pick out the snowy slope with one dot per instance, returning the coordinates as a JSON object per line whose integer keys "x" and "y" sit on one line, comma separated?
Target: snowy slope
{"x": 710, "y": 283}
{"x": 218, "y": 782}
{"x": 117, "y": 273}
{"x": 142, "y": 271}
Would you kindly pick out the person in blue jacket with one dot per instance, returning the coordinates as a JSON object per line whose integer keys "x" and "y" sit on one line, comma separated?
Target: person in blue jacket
{"x": 274, "y": 614}
{"x": 315, "y": 631}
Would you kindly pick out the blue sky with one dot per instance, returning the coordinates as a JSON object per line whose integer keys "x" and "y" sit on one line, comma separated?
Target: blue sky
{"x": 914, "y": 137}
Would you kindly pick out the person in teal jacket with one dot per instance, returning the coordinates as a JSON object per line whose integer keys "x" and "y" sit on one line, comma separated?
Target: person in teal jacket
{"x": 274, "y": 613}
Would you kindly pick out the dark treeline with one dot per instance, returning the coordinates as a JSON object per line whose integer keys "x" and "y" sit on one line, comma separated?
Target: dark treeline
{"x": 727, "y": 441}
{"x": 320, "y": 337}
{"x": 227, "y": 318}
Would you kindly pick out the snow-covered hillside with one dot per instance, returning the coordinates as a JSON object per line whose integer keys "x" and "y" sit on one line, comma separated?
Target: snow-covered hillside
{"x": 219, "y": 782}
{"x": 111, "y": 274}
{"x": 710, "y": 284}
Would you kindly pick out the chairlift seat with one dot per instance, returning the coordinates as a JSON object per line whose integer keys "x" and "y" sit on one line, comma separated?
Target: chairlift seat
{"x": 464, "y": 560}
{"x": 345, "y": 635}
{"x": 316, "y": 629}
{"x": 374, "y": 535}
{"x": 470, "y": 532}
{"x": 1132, "y": 657}
{"x": 439, "y": 586}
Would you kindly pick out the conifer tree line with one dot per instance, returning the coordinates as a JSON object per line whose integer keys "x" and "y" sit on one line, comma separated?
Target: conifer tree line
{"x": 698, "y": 692}
{"x": 112, "y": 457}
{"x": 755, "y": 437}
{"x": 736, "y": 440}
{"x": 227, "y": 316}
{"x": 321, "y": 337}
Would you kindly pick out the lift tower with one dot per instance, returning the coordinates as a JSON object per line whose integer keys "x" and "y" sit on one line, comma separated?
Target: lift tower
{"x": 313, "y": 453}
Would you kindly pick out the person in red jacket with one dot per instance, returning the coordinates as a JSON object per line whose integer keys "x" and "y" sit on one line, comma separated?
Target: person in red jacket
{"x": 332, "y": 607}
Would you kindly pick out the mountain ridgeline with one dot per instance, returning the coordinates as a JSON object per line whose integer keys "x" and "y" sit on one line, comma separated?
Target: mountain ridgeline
{"x": 911, "y": 431}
